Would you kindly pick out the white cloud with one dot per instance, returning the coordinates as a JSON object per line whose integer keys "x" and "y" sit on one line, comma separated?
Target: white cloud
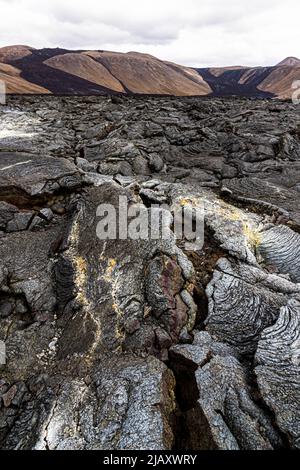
{"x": 191, "y": 32}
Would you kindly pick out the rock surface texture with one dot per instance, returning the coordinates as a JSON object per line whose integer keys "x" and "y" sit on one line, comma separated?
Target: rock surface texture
{"x": 147, "y": 343}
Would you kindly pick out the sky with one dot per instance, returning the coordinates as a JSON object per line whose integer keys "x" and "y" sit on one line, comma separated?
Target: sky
{"x": 196, "y": 33}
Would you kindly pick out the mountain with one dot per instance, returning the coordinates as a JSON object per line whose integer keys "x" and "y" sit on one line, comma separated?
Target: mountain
{"x": 280, "y": 81}
{"x": 16, "y": 84}
{"x": 291, "y": 61}
{"x": 11, "y": 53}
{"x": 257, "y": 82}
{"x": 64, "y": 72}
{"x": 60, "y": 71}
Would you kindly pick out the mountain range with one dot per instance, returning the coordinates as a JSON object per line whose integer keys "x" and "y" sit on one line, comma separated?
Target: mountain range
{"x": 26, "y": 70}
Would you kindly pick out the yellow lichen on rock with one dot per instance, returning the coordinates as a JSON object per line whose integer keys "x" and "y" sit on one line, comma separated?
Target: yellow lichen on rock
{"x": 190, "y": 201}
{"x": 113, "y": 281}
{"x": 249, "y": 230}
{"x": 111, "y": 264}
{"x": 81, "y": 279}
{"x": 252, "y": 234}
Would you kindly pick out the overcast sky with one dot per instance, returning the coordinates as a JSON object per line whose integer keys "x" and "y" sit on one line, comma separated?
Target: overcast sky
{"x": 191, "y": 32}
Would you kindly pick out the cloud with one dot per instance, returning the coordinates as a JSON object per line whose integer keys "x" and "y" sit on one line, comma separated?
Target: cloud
{"x": 191, "y": 32}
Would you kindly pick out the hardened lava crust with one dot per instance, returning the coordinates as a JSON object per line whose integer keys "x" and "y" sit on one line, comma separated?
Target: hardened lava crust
{"x": 146, "y": 344}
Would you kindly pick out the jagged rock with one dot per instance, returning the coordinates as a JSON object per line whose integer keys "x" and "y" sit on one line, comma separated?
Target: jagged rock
{"x": 126, "y": 407}
{"x": 110, "y": 288}
{"x": 7, "y": 213}
{"x": 227, "y": 416}
{"x": 153, "y": 197}
{"x": 150, "y": 184}
{"x": 97, "y": 180}
{"x": 123, "y": 168}
{"x": 289, "y": 147}
{"x": 100, "y": 131}
{"x": 268, "y": 195}
{"x": 243, "y": 301}
{"x": 85, "y": 165}
{"x": 156, "y": 163}
{"x": 277, "y": 370}
{"x": 25, "y": 131}
{"x": 46, "y": 214}
{"x": 27, "y": 270}
{"x": 280, "y": 247}
{"x": 225, "y": 399}
{"x": 38, "y": 223}
{"x": 124, "y": 180}
{"x": 234, "y": 229}
{"x": 20, "y": 222}
{"x": 6, "y": 308}
{"x": 88, "y": 322}
{"x": 140, "y": 166}
{"x": 25, "y": 176}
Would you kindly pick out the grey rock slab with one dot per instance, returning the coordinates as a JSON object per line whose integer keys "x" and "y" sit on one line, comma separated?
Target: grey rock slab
{"x": 263, "y": 193}
{"x": 243, "y": 301}
{"x": 280, "y": 247}
{"x": 224, "y": 415}
{"x": 126, "y": 407}
{"x": 24, "y": 176}
{"x": 20, "y": 222}
{"x": 97, "y": 180}
{"x": 7, "y": 212}
{"x": 235, "y": 421}
{"x": 277, "y": 370}
{"x": 114, "y": 281}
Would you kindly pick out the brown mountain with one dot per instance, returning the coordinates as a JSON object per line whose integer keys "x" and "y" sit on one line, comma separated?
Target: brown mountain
{"x": 15, "y": 84}
{"x": 85, "y": 67}
{"x": 11, "y": 53}
{"x": 257, "y": 82}
{"x": 291, "y": 61}
{"x": 60, "y": 71}
{"x": 143, "y": 73}
{"x": 280, "y": 81}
